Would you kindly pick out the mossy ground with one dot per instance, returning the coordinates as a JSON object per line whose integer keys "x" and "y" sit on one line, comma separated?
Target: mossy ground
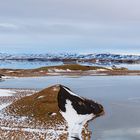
{"x": 31, "y": 116}
{"x": 41, "y": 106}
{"x": 73, "y": 67}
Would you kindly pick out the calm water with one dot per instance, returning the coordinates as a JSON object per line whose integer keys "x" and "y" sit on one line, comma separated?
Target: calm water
{"x": 37, "y": 64}
{"x": 27, "y": 64}
{"x": 120, "y": 96}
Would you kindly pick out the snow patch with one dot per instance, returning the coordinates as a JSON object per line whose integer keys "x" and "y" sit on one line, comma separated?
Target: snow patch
{"x": 53, "y": 114}
{"x": 72, "y": 93}
{"x": 8, "y": 77}
{"x": 75, "y": 121}
{"x": 2, "y": 106}
{"x": 55, "y": 88}
{"x": 6, "y": 92}
{"x": 59, "y": 70}
{"x": 41, "y": 97}
{"x": 29, "y": 129}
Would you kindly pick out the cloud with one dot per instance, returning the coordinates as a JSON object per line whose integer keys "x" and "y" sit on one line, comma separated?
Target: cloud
{"x": 90, "y": 10}
{"x": 8, "y": 25}
{"x": 100, "y": 23}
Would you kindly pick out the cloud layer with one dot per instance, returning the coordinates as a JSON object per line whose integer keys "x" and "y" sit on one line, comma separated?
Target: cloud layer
{"x": 88, "y": 25}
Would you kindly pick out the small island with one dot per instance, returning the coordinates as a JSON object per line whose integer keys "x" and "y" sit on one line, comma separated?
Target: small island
{"x": 68, "y": 70}
{"x": 31, "y": 114}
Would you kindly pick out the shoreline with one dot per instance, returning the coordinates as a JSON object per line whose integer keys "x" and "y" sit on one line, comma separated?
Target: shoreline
{"x": 29, "y": 73}
{"x": 67, "y": 70}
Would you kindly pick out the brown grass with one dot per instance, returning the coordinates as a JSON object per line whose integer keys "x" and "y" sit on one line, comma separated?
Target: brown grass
{"x": 39, "y": 106}
{"x": 74, "y": 67}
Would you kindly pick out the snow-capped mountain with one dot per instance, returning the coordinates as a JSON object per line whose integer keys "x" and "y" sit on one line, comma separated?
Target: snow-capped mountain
{"x": 41, "y": 57}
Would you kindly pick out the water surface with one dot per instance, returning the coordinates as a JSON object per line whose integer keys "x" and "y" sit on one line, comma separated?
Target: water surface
{"x": 27, "y": 64}
{"x": 36, "y": 64}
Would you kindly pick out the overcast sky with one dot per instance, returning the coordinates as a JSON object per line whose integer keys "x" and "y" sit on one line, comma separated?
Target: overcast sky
{"x": 84, "y": 26}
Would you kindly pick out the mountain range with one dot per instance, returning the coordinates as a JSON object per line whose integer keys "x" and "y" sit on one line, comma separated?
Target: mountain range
{"x": 103, "y": 57}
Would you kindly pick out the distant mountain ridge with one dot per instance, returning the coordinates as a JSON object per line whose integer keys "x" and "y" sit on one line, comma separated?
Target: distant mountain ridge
{"x": 61, "y": 56}
{"x": 67, "y": 58}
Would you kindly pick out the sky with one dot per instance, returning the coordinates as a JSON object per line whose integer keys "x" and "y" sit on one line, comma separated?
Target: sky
{"x": 77, "y": 26}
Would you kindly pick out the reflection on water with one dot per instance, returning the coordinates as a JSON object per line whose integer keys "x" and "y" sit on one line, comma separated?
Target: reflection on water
{"x": 36, "y": 64}
{"x": 121, "y": 121}
{"x": 122, "y": 133}
{"x": 1, "y": 80}
{"x": 130, "y": 66}
{"x": 26, "y": 64}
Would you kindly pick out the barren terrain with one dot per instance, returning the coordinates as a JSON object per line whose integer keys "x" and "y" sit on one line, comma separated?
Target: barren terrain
{"x": 68, "y": 70}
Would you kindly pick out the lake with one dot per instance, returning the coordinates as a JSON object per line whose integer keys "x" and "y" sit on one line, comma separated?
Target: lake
{"x": 120, "y": 96}
{"x": 36, "y": 64}
{"x": 26, "y": 64}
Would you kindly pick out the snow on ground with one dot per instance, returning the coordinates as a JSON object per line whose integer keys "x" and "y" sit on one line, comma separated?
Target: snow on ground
{"x": 72, "y": 93}
{"x": 2, "y": 106}
{"x": 32, "y": 130}
{"x": 8, "y": 77}
{"x": 22, "y": 127}
{"x": 59, "y": 70}
{"x": 75, "y": 121}
{"x": 6, "y": 92}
